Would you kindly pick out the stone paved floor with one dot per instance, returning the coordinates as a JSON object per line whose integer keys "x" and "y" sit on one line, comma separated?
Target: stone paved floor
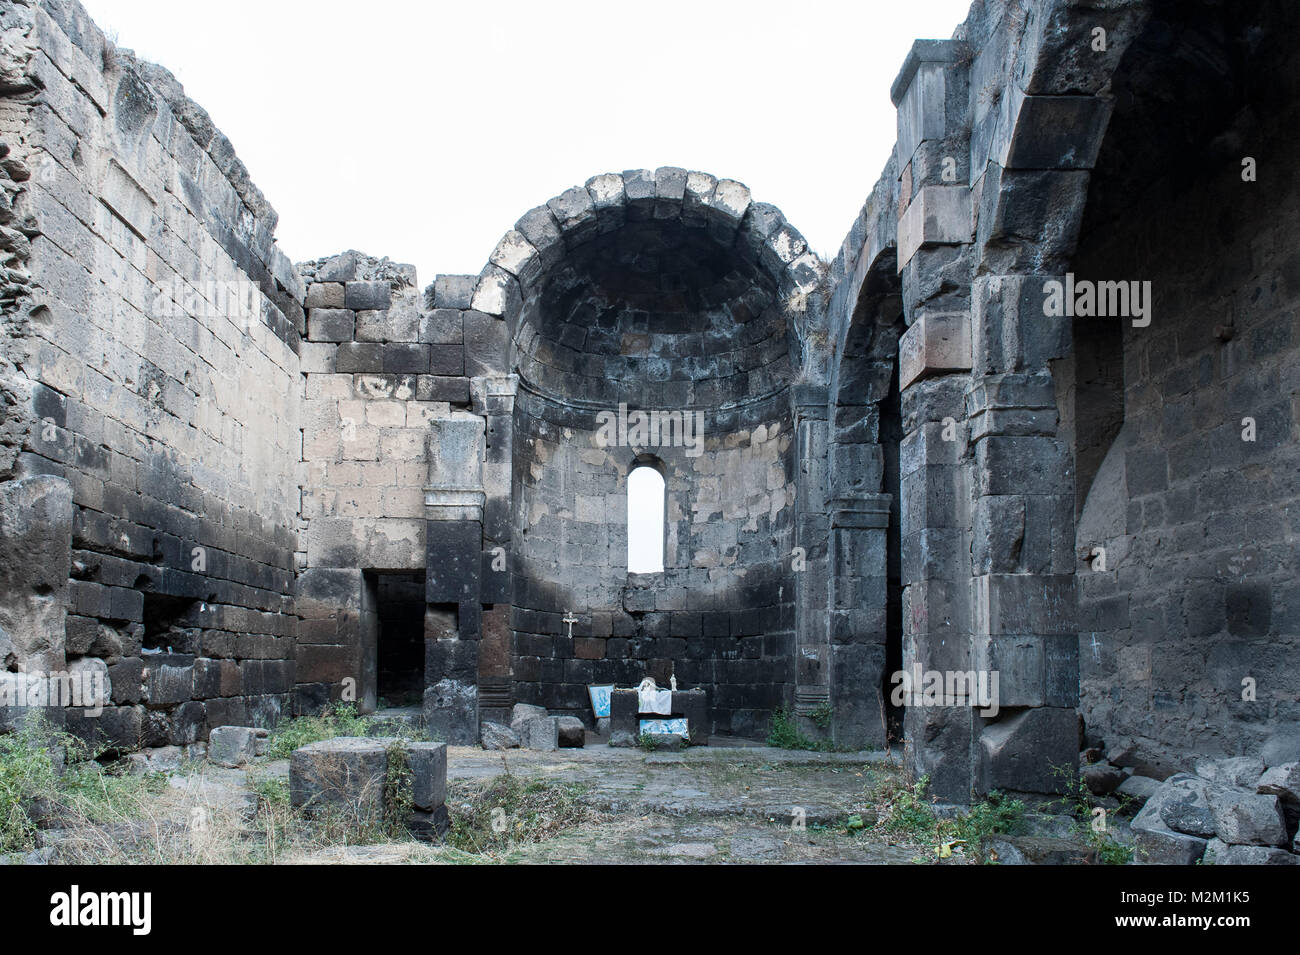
{"x": 709, "y": 805}
{"x": 715, "y": 804}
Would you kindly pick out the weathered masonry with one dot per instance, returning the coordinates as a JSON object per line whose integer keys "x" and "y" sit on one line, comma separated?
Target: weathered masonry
{"x": 1037, "y": 419}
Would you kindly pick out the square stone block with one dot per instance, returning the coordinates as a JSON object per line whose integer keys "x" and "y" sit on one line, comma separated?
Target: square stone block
{"x": 937, "y": 343}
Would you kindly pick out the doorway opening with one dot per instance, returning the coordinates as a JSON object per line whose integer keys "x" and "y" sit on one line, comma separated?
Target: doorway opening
{"x": 399, "y": 644}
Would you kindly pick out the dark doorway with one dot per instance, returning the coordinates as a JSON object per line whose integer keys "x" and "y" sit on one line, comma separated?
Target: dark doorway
{"x": 399, "y": 599}
{"x": 891, "y": 437}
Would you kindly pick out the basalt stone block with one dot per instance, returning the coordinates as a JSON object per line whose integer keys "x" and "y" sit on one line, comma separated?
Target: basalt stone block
{"x": 371, "y": 294}
{"x": 453, "y": 291}
{"x": 187, "y": 723}
{"x": 437, "y": 388}
{"x": 486, "y": 340}
{"x": 937, "y": 343}
{"x": 339, "y": 268}
{"x": 497, "y": 736}
{"x": 309, "y": 699}
{"x": 451, "y": 711}
{"x": 542, "y": 734}
{"x": 1102, "y": 778}
{"x": 428, "y": 766}
{"x": 541, "y": 230}
{"x": 1218, "y": 852}
{"x": 359, "y": 358}
{"x": 127, "y": 677}
{"x": 442, "y": 326}
{"x": 1022, "y": 750}
{"x": 405, "y": 358}
{"x": 1282, "y": 747}
{"x": 232, "y": 746}
{"x": 454, "y": 550}
{"x": 1040, "y": 850}
{"x": 345, "y": 775}
{"x": 670, "y": 189}
{"x": 575, "y": 213}
{"x": 623, "y": 711}
{"x": 725, "y": 208}
{"x": 456, "y": 659}
{"x": 572, "y": 732}
{"x": 1236, "y": 771}
{"x": 639, "y": 190}
{"x": 234, "y": 712}
{"x": 523, "y": 712}
{"x": 324, "y": 295}
{"x": 169, "y": 678}
{"x": 448, "y": 360}
{"x": 1284, "y": 783}
{"x": 1249, "y": 819}
{"x": 937, "y": 215}
{"x": 1163, "y": 846}
{"x": 117, "y": 727}
{"x": 1188, "y": 818}
{"x": 1055, "y": 132}
{"x": 857, "y": 674}
{"x": 330, "y": 325}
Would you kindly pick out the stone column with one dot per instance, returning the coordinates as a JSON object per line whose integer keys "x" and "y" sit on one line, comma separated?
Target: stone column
{"x": 493, "y": 397}
{"x": 859, "y": 584}
{"x": 1022, "y": 595}
{"x": 454, "y": 506}
{"x": 935, "y": 258}
{"x": 810, "y": 560}
{"x": 936, "y": 577}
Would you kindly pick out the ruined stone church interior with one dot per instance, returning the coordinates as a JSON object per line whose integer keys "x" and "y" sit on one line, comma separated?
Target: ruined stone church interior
{"x": 995, "y": 504}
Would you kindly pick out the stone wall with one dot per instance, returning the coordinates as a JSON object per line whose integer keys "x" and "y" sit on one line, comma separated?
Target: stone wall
{"x": 383, "y": 364}
{"x": 150, "y": 361}
{"x": 1188, "y": 607}
{"x": 720, "y": 615}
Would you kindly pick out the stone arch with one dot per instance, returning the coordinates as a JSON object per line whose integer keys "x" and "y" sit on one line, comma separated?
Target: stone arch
{"x": 1048, "y": 91}
{"x": 704, "y": 208}
{"x": 670, "y": 300}
{"x": 864, "y": 435}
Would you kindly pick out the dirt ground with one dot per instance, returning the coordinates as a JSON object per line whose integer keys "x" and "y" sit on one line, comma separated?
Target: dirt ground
{"x": 702, "y": 805}
{"x": 710, "y": 805}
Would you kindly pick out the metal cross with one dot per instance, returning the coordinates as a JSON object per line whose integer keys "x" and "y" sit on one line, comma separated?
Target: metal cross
{"x": 570, "y": 619}
{"x": 1095, "y": 648}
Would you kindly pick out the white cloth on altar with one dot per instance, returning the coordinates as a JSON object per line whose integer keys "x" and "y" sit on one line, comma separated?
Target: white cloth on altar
{"x": 651, "y": 699}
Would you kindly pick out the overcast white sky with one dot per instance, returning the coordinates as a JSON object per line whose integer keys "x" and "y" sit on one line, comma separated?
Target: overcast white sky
{"x": 422, "y": 131}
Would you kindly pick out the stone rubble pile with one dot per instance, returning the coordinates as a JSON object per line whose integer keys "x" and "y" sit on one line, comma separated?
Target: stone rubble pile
{"x": 532, "y": 727}
{"x": 1240, "y": 810}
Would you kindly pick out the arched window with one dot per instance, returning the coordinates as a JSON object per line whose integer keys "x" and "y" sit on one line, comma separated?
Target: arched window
{"x": 645, "y": 520}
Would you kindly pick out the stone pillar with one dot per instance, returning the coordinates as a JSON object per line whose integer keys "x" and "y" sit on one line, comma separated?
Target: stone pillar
{"x": 859, "y": 584}
{"x": 936, "y": 578}
{"x": 1022, "y": 554}
{"x": 493, "y": 397}
{"x": 454, "y": 506}
{"x": 810, "y": 560}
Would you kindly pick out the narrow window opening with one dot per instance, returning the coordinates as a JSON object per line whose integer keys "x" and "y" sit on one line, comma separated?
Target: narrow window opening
{"x": 645, "y": 520}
